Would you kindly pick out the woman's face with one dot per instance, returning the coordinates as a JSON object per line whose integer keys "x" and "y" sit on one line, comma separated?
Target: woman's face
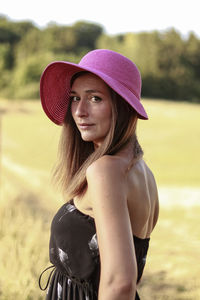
{"x": 91, "y": 107}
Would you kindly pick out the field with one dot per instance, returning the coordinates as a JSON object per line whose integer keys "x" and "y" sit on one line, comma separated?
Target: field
{"x": 28, "y": 145}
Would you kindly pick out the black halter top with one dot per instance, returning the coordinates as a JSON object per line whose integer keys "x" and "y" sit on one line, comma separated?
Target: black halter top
{"x": 75, "y": 259}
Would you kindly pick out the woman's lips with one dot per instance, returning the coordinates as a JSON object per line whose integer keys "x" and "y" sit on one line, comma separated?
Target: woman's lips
{"x": 85, "y": 126}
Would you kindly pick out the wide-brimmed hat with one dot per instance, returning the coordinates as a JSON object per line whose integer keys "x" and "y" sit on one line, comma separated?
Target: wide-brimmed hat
{"x": 117, "y": 71}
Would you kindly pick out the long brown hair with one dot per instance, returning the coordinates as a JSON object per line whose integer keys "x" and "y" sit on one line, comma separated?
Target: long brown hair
{"x": 75, "y": 155}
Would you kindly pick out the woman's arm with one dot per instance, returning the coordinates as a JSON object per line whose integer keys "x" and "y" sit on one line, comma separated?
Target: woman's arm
{"x": 108, "y": 193}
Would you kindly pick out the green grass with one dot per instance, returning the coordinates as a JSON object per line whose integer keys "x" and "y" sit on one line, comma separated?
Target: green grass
{"x": 28, "y": 137}
{"x": 28, "y": 202}
{"x": 171, "y": 141}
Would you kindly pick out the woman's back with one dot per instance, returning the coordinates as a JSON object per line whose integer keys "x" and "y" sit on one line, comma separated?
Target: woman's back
{"x": 142, "y": 196}
{"x": 142, "y": 199}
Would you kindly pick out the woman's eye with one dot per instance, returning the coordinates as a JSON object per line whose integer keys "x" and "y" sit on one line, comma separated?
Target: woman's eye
{"x": 96, "y": 99}
{"x": 74, "y": 98}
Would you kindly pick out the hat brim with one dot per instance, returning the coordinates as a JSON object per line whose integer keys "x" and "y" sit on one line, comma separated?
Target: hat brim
{"x": 55, "y": 90}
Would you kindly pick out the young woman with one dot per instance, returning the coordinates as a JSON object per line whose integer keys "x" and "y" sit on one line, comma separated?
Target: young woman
{"x": 100, "y": 236}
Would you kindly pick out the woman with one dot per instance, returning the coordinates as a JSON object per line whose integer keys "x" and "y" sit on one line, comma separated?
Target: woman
{"x": 100, "y": 237}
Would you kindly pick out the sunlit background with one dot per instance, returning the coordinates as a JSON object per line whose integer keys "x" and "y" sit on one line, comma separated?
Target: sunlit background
{"x": 163, "y": 39}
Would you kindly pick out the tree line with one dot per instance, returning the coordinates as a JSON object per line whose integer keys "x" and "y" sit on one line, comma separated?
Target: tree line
{"x": 169, "y": 64}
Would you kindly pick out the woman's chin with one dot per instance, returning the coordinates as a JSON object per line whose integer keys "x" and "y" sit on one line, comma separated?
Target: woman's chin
{"x": 86, "y": 138}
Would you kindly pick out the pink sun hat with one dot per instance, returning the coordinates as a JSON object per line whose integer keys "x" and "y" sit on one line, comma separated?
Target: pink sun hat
{"x": 117, "y": 71}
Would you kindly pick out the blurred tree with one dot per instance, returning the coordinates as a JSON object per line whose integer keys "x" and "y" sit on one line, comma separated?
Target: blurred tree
{"x": 114, "y": 43}
{"x": 59, "y": 38}
{"x": 170, "y": 52}
{"x": 23, "y": 28}
{"x": 5, "y": 64}
{"x": 191, "y": 61}
{"x": 8, "y": 38}
{"x": 11, "y": 33}
{"x": 172, "y": 68}
{"x": 86, "y": 34}
{"x": 192, "y": 54}
{"x": 6, "y": 56}
{"x": 7, "y": 31}
{"x": 26, "y": 76}
{"x": 30, "y": 44}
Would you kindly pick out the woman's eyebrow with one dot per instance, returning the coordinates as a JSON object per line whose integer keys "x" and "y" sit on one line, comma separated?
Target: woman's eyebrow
{"x": 93, "y": 91}
{"x": 87, "y": 91}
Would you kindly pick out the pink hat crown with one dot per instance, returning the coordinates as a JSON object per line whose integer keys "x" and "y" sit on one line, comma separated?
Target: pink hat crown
{"x": 116, "y": 66}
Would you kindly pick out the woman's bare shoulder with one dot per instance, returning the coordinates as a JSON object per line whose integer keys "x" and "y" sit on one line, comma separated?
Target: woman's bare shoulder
{"x": 106, "y": 165}
{"x": 105, "y": 177}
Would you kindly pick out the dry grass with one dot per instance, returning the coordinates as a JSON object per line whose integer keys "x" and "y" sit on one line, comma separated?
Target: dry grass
{"x": 172, "y": 270}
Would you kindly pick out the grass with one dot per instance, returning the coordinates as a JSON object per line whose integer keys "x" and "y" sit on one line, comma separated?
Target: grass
{"x": 28, "y": 201}
{"x": 171, "y": 142}
{"x": 172, "y": 270}
{"x": 23, "y": 243}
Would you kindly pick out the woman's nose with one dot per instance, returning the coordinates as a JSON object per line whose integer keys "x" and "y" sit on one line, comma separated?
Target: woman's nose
{"x": 81, "y": 109}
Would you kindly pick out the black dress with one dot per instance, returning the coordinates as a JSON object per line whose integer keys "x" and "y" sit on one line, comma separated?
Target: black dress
{"x": 74, "y": 253}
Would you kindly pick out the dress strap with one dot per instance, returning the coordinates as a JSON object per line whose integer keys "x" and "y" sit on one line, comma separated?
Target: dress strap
{"x": 49, "y": 278}
{"x": 86, "y": 285}
{"x": 137, "y": 296}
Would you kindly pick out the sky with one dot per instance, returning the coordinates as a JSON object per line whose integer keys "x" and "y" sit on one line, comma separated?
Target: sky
{"x": 113, "y": 15}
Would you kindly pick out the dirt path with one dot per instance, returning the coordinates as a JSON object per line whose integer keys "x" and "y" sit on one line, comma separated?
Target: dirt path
{"x": 184, "y": 196}
{"x": 30, "y": 176}
{"x": 17, "y": 180}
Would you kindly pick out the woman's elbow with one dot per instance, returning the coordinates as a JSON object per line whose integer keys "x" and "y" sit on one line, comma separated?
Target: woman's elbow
{"x": 126, "y": 287}
{"x": 122, "y": 288}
